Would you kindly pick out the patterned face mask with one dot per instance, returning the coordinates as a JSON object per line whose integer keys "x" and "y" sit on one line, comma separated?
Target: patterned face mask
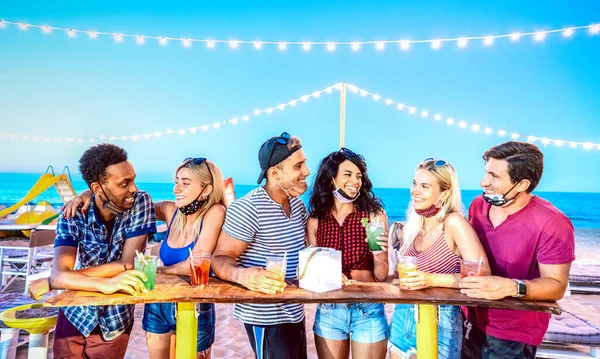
{"x": 499, "y": 199}
{"x": 193, "y": 206}
{"x": 109, "y": 205}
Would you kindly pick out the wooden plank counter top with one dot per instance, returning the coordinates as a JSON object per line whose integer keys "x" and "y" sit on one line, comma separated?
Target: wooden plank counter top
{"x": 172, "y": 288}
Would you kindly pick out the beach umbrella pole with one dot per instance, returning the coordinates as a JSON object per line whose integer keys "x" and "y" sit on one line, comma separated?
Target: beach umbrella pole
{"x": 342, "y": 114}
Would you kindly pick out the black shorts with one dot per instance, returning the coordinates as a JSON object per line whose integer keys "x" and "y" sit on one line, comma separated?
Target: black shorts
{"x": 478, "y": 345}
{"x": 286, "y": 340}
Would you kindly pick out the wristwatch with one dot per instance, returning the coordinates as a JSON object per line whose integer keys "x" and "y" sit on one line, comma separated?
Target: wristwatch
{"x": 521, "y": 289}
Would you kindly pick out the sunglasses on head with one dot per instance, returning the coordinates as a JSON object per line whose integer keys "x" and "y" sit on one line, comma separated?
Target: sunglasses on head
{"x": 196, "y": 161}
{"x": 436, "y": 163}
{"x": 347, "y": 153}
{"x": 283, "y": 139}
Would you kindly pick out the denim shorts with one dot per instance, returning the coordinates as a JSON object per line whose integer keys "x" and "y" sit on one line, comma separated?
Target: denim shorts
{"x": 159, "y": 318}
{"x": 361, "y": 322}
{"x": 403, "y": 337}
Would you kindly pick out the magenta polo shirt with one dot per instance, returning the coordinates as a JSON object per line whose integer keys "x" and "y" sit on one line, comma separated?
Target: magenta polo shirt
{"x": 538, "y": 233}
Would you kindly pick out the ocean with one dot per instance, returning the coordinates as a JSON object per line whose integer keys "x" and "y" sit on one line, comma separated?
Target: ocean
{"x": 581, "y": 208}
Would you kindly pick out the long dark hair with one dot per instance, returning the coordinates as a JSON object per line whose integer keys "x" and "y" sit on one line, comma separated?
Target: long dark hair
{"x": 321, "y": 196}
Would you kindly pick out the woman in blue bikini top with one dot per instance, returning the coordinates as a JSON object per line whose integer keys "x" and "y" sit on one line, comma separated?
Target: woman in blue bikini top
{"x": 194, "y": 222}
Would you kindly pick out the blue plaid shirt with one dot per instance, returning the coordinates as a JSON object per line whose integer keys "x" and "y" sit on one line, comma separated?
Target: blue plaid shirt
{"x": 87, "y": 232}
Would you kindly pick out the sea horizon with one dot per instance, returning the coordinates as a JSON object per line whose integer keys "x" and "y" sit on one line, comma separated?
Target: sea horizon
{"x": 580, "y": 207}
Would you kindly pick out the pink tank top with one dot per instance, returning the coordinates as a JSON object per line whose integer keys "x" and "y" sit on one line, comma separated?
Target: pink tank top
{"x": 437, "y": 259}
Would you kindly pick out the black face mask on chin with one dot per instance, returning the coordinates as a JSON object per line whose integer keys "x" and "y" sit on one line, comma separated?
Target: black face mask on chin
{"x": 109, "y": 205}
{"x": 499, "y": 199}
{"x": 193, "y": 206}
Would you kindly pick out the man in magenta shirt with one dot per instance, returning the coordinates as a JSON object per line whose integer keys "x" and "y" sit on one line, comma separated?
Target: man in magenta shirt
{"x": 530, "y": 246}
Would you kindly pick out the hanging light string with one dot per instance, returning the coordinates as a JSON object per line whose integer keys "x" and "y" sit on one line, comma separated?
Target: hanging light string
{"x": 182, "y": 131}
{"x": 474, "y": 127}
{"x": 412, "y": 110}
{"x": 380, "y": 45}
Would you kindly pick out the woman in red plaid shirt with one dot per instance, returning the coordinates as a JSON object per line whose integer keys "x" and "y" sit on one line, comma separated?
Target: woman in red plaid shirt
{"x": 342, "y": 203}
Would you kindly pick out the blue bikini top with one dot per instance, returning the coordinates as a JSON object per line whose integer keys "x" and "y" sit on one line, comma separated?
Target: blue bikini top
{"x": 170, "y": 256}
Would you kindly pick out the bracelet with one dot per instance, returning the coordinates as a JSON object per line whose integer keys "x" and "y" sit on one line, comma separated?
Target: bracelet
{"x": 125, "y": 267}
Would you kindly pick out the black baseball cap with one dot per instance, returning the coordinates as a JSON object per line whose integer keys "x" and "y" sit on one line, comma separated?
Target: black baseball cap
{"x": 273, "y": 151}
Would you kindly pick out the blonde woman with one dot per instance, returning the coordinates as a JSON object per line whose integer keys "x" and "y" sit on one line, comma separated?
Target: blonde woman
{"x": 194, "y": 223}
{"x": 438, "y": 235}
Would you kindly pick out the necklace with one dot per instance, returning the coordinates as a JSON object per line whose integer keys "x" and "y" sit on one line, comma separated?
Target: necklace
{"x": 185, "y": 233}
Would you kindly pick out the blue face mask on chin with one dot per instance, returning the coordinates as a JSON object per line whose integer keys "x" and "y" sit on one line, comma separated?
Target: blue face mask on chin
{"x": 499, "y": 199}
{"x": 343, "y": 196}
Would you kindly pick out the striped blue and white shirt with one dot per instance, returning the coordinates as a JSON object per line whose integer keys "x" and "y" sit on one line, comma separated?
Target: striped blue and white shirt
{"x": 262, "y": 222}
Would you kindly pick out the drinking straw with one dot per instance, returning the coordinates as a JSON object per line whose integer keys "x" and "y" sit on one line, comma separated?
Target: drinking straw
{"x": 480, "y": 261}
{"x": 193, "y": 272}
{"x": 141, "y": 257}
{"x": 284, "y": 263}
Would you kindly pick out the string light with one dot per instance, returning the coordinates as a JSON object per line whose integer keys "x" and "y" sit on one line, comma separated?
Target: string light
{"x": 282, "y": 106}
{"x": 379, "y": 45}
{"x": 539, "y": 36}
{"x": 181, "y": 131}
{"x": 475, "y": 127}
{"x": 568, "y": 32}
{"x": 71, "y": 33}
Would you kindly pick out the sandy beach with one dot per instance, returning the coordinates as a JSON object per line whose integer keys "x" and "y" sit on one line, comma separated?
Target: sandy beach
{"x": 232, "y": 342}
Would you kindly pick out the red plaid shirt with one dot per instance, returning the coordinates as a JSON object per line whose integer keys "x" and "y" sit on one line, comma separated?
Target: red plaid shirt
{"x": 349, "y": 238}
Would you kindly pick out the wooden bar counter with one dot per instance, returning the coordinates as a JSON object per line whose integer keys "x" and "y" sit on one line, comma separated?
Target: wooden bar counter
{"x": 172, "y": 288}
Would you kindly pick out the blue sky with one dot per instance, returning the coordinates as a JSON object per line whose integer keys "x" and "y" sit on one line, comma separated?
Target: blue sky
{"x": 52, "y": 85}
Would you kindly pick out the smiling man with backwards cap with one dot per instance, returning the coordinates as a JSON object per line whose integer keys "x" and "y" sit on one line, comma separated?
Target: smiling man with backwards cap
{"x": 270, "y": 221}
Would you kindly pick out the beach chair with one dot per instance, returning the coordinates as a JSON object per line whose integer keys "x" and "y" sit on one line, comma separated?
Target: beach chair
{"x": 27, "y": 257}
{"x": 570, "y": 336}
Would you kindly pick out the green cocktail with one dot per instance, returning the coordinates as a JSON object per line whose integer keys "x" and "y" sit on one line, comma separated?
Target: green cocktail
{"x": 149, "y": 269}
{"x": 374, "y": 231}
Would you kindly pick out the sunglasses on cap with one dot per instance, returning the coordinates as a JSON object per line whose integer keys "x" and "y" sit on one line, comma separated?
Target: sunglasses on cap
{"x": 348, "y": 154}
{"x": 283, "y": 139}
{"x": 436, "y": 163}
{"x": 198, "y": 161}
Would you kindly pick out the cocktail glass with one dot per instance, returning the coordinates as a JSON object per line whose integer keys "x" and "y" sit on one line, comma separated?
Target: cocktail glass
{"x": 374, "y": 231}
{"x": 405, "y": 265}
{"x": 200, "y": 269}
{"x": 149, "y": 269}
{"x": 276, "y": 265}
{"x": 469, "y": 268}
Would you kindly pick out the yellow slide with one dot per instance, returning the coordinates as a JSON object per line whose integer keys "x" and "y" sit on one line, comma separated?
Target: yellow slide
{"x": 46, "y": 181}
